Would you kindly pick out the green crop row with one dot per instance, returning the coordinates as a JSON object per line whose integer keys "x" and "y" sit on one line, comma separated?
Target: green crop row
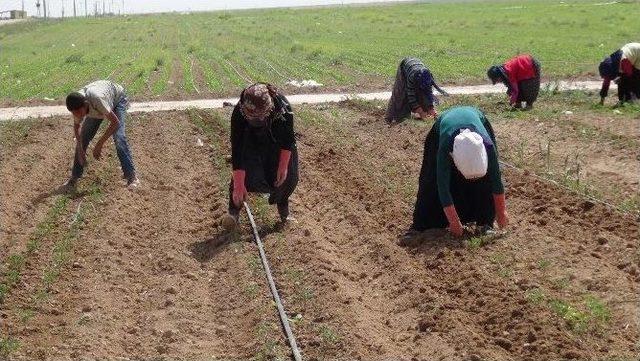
{"x": 219, "y": 52}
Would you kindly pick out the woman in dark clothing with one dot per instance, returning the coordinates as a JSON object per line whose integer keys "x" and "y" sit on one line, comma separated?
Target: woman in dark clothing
{"x": 521, "y": 76}
{"x": 412, "y": 92}
{"x": 623, "y": 65}
{"x": 460, "y": 178}
{"x": 263, "y": 150}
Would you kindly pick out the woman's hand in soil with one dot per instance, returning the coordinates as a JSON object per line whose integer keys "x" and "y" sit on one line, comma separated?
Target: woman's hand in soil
{"x": 239, "y": 188}
{"x": 421, "y": 113}
{"x": 455, "y": 226}
{"x": 456, "y": 229}
{"x": 239, "y": 195}
{"x": 502, "y": 219}
{"x": 500, "y": 204}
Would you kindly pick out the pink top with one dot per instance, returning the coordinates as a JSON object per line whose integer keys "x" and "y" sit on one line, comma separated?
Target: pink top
{"x": 518, "y": 69}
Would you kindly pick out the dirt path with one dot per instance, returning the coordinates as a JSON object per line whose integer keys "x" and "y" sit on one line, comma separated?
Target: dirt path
{"x": 18, "y": 113}
{"x": 11, "y": 21}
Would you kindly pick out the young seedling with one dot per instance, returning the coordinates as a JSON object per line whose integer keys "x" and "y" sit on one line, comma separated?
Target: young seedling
{"x": 544, "y": 264}
{"x": 535, "y": 295}
{"x": 8, "y": 346}
{"x": 328, "y": 335}
{"x": 577, "y": 320}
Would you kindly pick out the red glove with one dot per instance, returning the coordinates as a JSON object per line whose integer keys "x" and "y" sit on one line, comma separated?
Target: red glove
{"x": 455, "y": 227}
{"x": 283, "y": 166}
{"x": 239, "y": 188}
{"x": 626, "y": 67}
{"x": 501, "y": 210}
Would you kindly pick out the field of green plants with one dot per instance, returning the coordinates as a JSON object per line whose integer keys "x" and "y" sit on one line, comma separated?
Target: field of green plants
{"x": 351, "y": 48}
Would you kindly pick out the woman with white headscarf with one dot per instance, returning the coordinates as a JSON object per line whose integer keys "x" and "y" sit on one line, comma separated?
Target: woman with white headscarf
{"x": 460, "y": 180}
{"x": 623, "y": 67}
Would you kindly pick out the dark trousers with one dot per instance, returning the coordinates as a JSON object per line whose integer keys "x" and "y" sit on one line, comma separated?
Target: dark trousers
{"x": 473, "y": 199}
{"x": 88, "y": 131}
{"x": 530, "y": 88}
{"x": 628, "y": 86}
{"x": 261, "y": 173}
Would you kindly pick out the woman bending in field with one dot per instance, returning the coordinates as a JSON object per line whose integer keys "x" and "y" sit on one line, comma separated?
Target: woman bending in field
{"x": 460, "y": 178}
{"x": 412, "y": 92}
{"x": 521, "y": 75}
{"x": 624, "y": 67}
{"x": 263, "y": 150}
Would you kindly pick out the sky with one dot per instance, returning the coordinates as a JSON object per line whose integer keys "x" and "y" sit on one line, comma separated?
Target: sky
{"x": 150, "y": 6}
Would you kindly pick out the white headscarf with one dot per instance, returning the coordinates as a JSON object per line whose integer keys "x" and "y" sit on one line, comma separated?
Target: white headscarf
{"x": 469, "y": 154}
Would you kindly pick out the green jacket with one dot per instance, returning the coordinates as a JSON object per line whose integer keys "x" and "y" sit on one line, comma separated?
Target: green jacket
{"x": 450, "y": 123}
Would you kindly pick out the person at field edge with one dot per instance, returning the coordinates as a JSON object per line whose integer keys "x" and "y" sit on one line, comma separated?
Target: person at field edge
{"x": 412, "y": 92}
{"x": 624, "y": 66}
{"x": 460, "y": 179}
{"x": 521, "y": 75}
{"x": 90, "y": 105}
{"x": 263, "y": 150}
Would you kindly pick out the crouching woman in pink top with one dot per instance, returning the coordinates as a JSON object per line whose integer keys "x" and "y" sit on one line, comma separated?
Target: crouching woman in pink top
{"x": 521, "y": 75}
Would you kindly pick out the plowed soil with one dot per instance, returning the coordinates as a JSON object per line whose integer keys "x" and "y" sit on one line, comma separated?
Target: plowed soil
{"x": 151, "y": 274}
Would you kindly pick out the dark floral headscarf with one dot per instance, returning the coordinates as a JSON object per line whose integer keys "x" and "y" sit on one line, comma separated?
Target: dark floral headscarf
{"x": 256, "y": 103}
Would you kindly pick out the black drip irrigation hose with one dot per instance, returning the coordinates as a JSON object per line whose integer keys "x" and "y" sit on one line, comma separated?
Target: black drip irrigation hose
{"x": 274, "y": 291}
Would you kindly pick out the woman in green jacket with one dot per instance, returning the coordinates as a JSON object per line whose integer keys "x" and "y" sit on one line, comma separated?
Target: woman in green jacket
{"x": 460, "y": 180}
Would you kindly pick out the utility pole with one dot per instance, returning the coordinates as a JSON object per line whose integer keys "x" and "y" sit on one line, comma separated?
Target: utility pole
{"x": 44, "y": 5}
{"x": 86, "y": 11}
{"x": 74, "y": 8}
{"x": 123, "y": 12}
{"x": 63, "y": 10}
{"x": 23, "y": 6}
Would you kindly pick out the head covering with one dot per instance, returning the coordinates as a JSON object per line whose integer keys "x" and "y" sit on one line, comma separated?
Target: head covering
{"x": 425, "y": 82}
{"x": 469, "y": 154}
{"x": 607, "y": 68}
{"x": 610, "y": 66}
{"x": 256, "y": 102}
{"x": 495, "y": 74}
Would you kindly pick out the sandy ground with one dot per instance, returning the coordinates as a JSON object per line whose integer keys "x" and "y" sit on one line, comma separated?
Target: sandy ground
{"x": 17, "y": 113}
{"x": 152, "y": 275}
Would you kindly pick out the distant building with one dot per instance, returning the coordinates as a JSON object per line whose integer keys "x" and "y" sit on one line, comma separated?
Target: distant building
{"x": 17, "y": 14}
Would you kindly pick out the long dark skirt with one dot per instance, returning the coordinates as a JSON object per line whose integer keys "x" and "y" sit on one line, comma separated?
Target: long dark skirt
{"x": 473, "y": 199}
{"x": 261, "y": 168}
{"x": 398, "y": 108}
{"x": 629, "y": 86}
{"x": 530, "y": 88}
